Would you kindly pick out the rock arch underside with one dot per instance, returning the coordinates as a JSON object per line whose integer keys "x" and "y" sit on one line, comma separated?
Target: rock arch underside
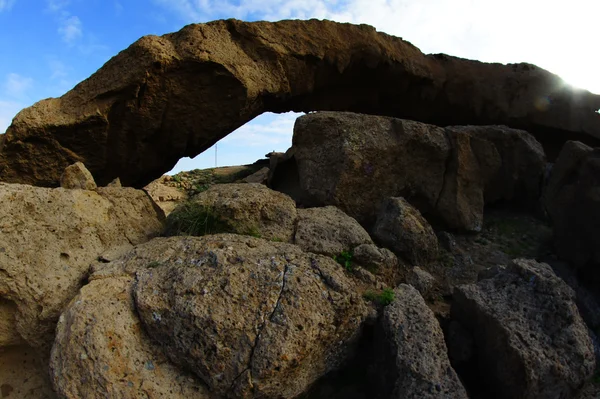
{"x": 172, "y": 96}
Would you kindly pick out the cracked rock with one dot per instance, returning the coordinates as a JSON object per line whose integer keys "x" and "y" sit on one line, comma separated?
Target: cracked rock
{"x": 251, "y": 318}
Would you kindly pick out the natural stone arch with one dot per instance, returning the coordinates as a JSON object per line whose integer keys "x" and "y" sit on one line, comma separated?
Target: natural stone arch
{"x": 172, "y": 96}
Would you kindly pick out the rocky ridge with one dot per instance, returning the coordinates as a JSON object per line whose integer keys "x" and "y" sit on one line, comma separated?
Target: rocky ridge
{"x": 377, "y": 258}
{"x": 170, "y": 96}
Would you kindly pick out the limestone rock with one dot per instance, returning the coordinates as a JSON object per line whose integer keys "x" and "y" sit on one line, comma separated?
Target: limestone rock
{"x": 380, "y": 261}
{"x": 48, "y": 238}
{"x": 401, "y": 228}
{"x": 172, "y": 96}
{"x": 572, "y": 200}
{"x": 77, "y": 176}
{"x": 328, "y": 231}
{"x": 252, "y": 318}
{"x": 488, "y": 164}
{"x": 355, "y": 161}
{"x": 260, "y": 176}
{"x": 23, "y": 374}
{"x": 101, "y": 350}
{"x": 374, "y": 258}
{"x": 115, "y": 183}
{"x": 412, "y": 351}
{"x": 530, "y": 340}
{"x": 422, "y": 280}
{"x": 165, "y": 196}
{"x": 242, "y": 208}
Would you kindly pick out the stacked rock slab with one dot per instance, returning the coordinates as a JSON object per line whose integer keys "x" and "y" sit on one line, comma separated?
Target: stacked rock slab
{"x": 356, "y": 162}
{"x": 172, "y": 96}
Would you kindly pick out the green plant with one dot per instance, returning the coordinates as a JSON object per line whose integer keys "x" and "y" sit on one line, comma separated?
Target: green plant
{"x": 194, "y": 219}
{"x": 445, "y": 258}
{"x": 253, "y": 232}
{"x": 382, "y": 298}
{"x": 344, "y": 259}
{"x": 199, "y": 188}
{"x": 153, "y": 264}
{"x": 177, "y": 179}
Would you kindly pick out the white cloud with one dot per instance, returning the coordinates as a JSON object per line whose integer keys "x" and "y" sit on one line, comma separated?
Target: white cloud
{"x": 266, "y": 130}
{"x": 57, "y": 5}
{"x": 70, "y": 29}
{"x": 8, "y": 110}
{"x": 16, "y": 85}
{"x": 6, "y": 4}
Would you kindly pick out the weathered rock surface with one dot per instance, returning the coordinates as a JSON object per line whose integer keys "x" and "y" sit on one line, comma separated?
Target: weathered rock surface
{"x": 355, "y": 161}
{"x": 252, "y": 318}
{"x": 77, "y": 176}
{"x": 488, "y": 164}
{"x": 241, "y": 208}
{"x": 101, "y": 350}
{"x": 172, "y": 96}
{"x": 422, "y": 280}
{"x": 48, "y": 238}
{"x": 166, "y": 197}
{"x": 412, "y": 351}
{"x": 328, "y": 231}
{"x": 530, "y": 341}
{"x": 403, "y": 229}
{"x": 572, "y": 201}
{"x": 260, "y": 176}
{"x": 23, "y": 374}
{"x": 379, "y": 261}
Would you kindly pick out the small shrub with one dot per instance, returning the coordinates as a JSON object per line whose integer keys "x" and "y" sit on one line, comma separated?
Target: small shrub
{"x": 344, "y": 259}
{"x": 253, "y": 232}
{"x": 382, "y": 298}
{"x": 153, "y": 264}
{"x": 194, "y": 219}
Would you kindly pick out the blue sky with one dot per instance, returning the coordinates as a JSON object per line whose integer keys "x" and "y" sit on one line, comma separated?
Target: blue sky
{"x": 48, "y": 46}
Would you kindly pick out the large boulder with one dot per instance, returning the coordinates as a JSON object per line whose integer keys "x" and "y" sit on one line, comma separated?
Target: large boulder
{"x": 356, "y": 161}
{"x": 241, "y": 208}
{"x": 411, "y": 351}
{"x": 328, "y": 231}
{"x": 530, "y": 341}
{"x": 77, "y": 176}
{"x": 250, "y": 317}
{"x": 405, "y": 231}
{"x": 48, "y": 238}
{"x": 101, "y": 350}
{"x": 489, "y": 164}
{"x": 165, "y": 196}
{"x": 572, "y": 201}
{"x": 172, "y": 96}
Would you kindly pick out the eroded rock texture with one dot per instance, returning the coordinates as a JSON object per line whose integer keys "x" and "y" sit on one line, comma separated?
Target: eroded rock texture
{"x": 572, "y": 200}
{"x": 356, "y": 161}
{"x": 172, "y": 96}
{"x": 251, "y": 318}
{"x": 530, "y": 341}
{"x": 101, "y": 350}
{"x": 48, "y": 238}
{"x": 412, "y": 353}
